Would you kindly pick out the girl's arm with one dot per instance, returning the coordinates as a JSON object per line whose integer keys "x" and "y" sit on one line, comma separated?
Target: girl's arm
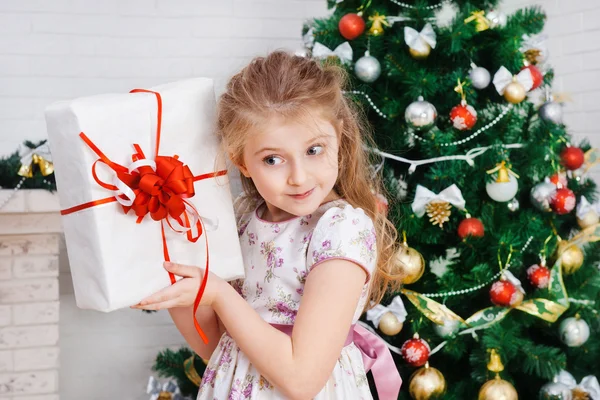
{"x": 209, "y": 322}
{"x": 299, "y": 365}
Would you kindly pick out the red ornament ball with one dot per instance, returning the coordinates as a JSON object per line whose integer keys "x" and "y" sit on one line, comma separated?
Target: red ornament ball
{"x": 563, "y": 201}
{"x": 539, "y": 276}
{"x": 559, "y": 178}
{"x": 382, "y": 203}
{"x": 537, "y": 76}
{"x": 470, "y": 227}
{"x": 415, "y": 352}
{"x": 572, "y": 157}
{"x": 351, "y": 26}
{"x": 463, "y": 117}
{"x": 505, "y": 294}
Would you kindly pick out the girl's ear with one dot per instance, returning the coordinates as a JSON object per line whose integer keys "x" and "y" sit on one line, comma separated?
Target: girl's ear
{"x": 243, "y": 170}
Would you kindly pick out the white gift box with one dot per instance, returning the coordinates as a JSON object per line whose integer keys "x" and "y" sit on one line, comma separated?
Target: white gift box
{"x": 116, "y": 262}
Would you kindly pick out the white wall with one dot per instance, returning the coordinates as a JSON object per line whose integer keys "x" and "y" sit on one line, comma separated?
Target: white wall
{"x": 58, "y": 49}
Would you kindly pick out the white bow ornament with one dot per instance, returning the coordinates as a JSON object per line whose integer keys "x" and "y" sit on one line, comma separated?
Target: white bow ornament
{"x": 396, "y": 307}
{"x": 343, "y": 52}
{"x": 585, "y": 206}
{"x": 424, "y": 196}
{"x": 588, "y": 385}
{"x": 420, "y": 41}
{"x": 503, "y": 77}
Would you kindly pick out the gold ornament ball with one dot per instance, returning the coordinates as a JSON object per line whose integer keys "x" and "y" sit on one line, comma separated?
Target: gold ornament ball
{"x": 571, "y": 258}
{"x": 514, "y": 93}
{"x": 165, "y": 396}
{"x": 389, "y": 324}
{"x": 420, "y": 54}
{"x": 498, "y": 389}
{"x": 590, "y": 218}
{"x": 413, "y": 264}
{"x": 427, "y": 383}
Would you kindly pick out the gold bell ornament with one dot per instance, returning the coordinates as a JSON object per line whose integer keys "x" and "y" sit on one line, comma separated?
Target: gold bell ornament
{"x": 497, "y": 388}
{"x": 481, "y": 22}
{"x": 514, "y": 88}
{"x": 377, "y": 24}
{"x": 39, "y": 156}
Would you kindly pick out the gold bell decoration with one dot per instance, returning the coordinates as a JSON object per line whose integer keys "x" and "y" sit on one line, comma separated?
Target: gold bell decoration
{"x": 571, "y": 257}
{"x": 377, "y": 24}
{"x": 413, "y": 264}
{"x": 504, "y": 186}
{"x": 481, "y": 22}
{"x": 497, "y": 388}
{"x": 427, "y": 383}
{"x": 40, "y": 156}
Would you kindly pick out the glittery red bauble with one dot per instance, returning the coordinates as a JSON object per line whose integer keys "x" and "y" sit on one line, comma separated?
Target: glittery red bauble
{"x": 572, "y": 157}
{"x": 382, "y": 203}
{"x": 537, "y": 76}
{"x": 415, "y": 352}
{"x": 559, "y": 178}
{"x": 563, "y": 201}
{"x": 470, "y": 227}
{"x": 505, "y": 294}
{"x": 539, "y": 276}
{"x": 351, "y": 26}
{"x": 463, "y": 117}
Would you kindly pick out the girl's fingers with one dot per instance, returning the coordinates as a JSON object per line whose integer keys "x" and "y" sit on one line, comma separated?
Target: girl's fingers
{"x": 182, "y": 270}
{"x": 168, "y": 293}
{"x": 158, "y": 306}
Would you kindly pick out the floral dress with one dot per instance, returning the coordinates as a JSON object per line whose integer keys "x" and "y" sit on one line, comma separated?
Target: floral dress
{"x": 278, "y": 257}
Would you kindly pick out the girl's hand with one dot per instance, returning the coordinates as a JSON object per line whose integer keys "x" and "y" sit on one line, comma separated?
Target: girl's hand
{"x": 183, "y": 292}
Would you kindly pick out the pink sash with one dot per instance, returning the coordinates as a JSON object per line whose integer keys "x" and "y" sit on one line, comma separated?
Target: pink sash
{"x": 377, "y": 358}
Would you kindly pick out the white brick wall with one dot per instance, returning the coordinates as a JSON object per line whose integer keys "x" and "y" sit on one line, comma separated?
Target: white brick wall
{"x": 29, "y": 310}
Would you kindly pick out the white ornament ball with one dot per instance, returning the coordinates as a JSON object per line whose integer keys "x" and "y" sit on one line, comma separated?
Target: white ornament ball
{"x": 448, "y": 329}
{"x": 367, "y": 68}
{"x": 303, "y": 52}
{"x": 502, "y": 191}
{"x": 574, "y": 331}
{"x": 480, "y": 77}
{"x": 497, "y": 19}
{"x": 513, "y": 205}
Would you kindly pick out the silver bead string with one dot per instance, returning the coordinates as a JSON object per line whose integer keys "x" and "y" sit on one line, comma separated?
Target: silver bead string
{"x": 475, "y": 288}
{"x": 15, "y": 190}
{"x": 431, "y": 7}
{"x": 13, "y": 193}
{"x": 381, "y": 114}
{"x": 475, "y": 134}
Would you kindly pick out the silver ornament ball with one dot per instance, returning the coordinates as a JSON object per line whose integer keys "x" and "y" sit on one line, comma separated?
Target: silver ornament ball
{"x": 420, "y": 115}
{"x": 448, "y": 329}
{"x": 555, "y": 391}
{"x": 497, "y": 19}
{"x": 513, "y": 205}
{"x": 367, "y": 68}
{"x": 480, "y": 77}
{"x": 552, "y": 112}
{"x": 574, "y": 332}
{"x": 541, "y": 195}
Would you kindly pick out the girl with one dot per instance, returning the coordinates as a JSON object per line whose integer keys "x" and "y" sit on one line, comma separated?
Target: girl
{"x": 316, "y": 249}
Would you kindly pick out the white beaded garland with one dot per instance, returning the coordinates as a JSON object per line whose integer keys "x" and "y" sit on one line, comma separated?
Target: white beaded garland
{"x": 475, "y": 288}
{"x": 431, "y": 7}
{"x": 377, "y": 110}
{"x": 10, "y": 196}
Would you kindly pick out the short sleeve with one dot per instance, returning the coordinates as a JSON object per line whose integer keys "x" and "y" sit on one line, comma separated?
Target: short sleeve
{"x": 344, "y": 233}
{"x": 243, "y": 206}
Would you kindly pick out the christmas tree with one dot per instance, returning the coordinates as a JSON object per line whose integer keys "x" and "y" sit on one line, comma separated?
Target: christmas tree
{"x": 489, "y": 194}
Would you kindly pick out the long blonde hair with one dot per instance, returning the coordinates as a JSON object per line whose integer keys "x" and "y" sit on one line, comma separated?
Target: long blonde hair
{"x": 282, "y": 84}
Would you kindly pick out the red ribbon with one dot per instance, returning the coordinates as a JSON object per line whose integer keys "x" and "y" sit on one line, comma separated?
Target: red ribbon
{"x": 160, "y": 192}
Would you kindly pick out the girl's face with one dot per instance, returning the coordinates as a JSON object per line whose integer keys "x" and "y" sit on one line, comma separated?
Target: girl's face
{"x": 293, "y": 166}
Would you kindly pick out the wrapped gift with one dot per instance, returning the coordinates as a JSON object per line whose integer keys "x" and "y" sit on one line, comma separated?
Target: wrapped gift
{"x": 140, "y": 181}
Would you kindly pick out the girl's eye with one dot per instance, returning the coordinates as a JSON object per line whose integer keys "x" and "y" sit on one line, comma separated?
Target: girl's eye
{"x": 272, "y": 160}
{"x": 314, "y": 150}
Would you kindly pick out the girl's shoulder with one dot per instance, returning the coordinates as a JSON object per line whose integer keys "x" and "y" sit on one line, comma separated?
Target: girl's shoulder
{"x": 243, "y": 207}
{"x": 340, "y": 215}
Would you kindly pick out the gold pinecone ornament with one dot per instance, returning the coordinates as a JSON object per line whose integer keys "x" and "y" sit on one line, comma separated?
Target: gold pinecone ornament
{"x": 438, "y": 212}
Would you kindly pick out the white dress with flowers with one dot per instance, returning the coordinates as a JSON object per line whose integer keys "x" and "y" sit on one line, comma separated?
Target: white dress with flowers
{"x": 278, "y": 257}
